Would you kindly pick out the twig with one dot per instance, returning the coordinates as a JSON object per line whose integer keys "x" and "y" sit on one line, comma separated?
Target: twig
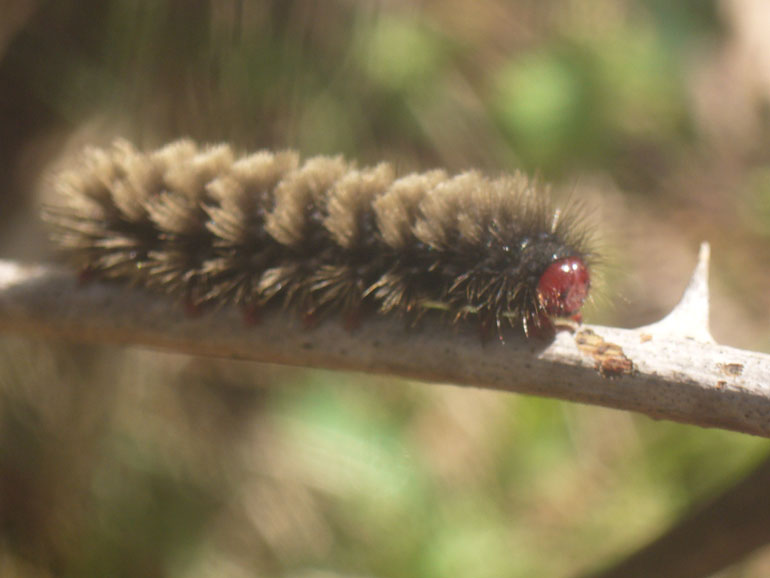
{"x": 670, "y": 370}
{"x": 713, "y": 536}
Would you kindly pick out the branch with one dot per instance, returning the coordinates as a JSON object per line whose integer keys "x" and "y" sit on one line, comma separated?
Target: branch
{"x": 713, "y": 536}
{"x": 669, "y": 370}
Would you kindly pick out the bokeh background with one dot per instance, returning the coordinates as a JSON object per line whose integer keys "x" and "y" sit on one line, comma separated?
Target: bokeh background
{"x": 122, "y": 462}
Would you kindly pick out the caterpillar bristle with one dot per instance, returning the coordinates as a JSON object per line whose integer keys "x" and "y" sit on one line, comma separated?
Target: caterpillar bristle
{"x": 321, "y": 236}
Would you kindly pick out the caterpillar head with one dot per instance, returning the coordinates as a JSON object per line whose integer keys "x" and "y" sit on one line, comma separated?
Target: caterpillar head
{"x": 563, "y": 287}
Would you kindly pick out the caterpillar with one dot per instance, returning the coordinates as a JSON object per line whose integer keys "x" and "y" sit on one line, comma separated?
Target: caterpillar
{"x": 321, "y": 236}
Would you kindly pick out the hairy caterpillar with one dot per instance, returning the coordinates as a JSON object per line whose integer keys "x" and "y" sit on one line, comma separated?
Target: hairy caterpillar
{"x": 321, "y": 236}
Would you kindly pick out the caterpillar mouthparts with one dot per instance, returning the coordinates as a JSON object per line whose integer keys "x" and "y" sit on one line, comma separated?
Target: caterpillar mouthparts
{"x": 321, "y": 236}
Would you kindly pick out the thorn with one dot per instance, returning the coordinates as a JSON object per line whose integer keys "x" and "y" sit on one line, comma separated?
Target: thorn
{"x": 690, "y": 317}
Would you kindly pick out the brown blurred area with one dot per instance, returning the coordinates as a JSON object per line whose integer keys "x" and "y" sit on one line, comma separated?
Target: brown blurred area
{"x": 655, "y": 114}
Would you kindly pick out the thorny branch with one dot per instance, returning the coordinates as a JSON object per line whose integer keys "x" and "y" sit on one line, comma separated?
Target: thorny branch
{"x": 672, "y": 369}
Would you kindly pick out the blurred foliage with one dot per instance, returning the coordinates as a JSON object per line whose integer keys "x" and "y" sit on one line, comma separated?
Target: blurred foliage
{"x": 119, "y": 463}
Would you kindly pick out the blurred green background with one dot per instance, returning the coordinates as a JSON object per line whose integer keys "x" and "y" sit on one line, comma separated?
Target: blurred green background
{"x": 118, "y": 462}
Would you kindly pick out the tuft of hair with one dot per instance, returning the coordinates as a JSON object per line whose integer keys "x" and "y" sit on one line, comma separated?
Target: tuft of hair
{"x": 319, "y": 236}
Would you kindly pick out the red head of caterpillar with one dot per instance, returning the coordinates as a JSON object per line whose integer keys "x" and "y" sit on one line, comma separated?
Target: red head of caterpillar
{"x": 321, "y": 236}
{"x": 563, "y": 287}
